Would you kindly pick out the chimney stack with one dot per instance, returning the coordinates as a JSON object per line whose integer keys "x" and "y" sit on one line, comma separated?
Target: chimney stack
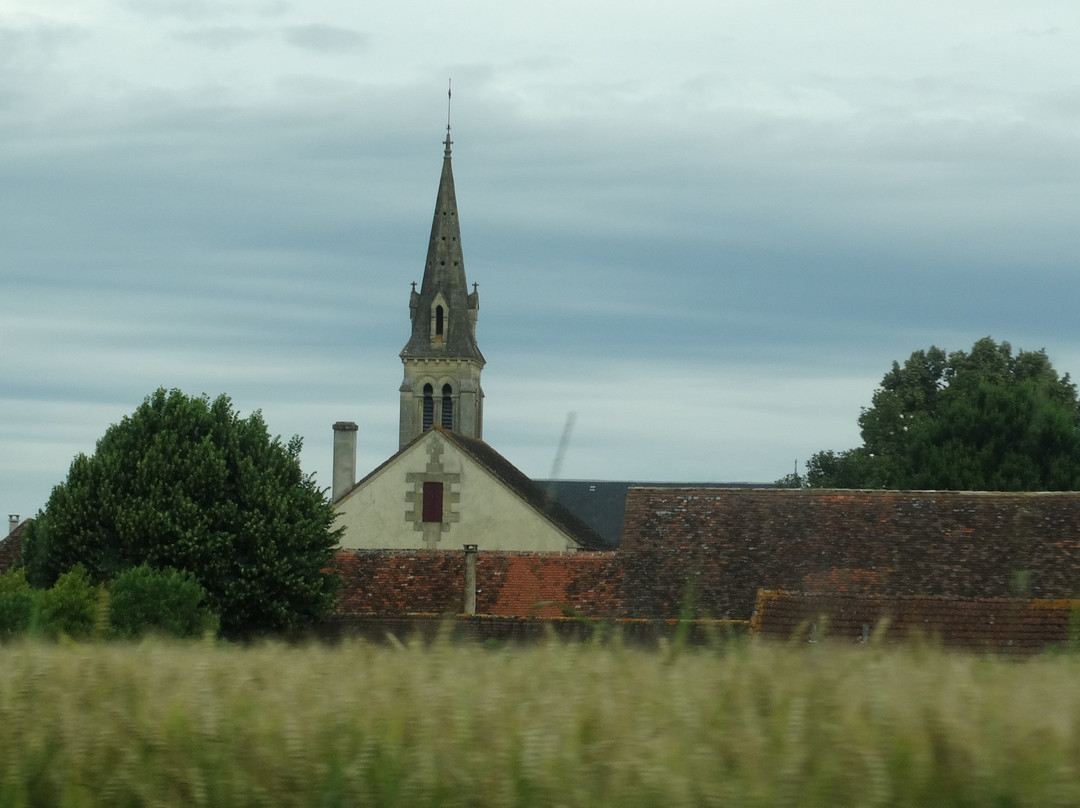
{"x": 470, "y": 579}
{"x": 13, "y": 522}
{"x": 344, "y": 458}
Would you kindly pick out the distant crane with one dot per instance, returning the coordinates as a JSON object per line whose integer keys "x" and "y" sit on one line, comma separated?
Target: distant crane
{"x": 564, "y": 443}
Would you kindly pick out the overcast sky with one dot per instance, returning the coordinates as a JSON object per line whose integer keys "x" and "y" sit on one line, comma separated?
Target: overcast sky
{"x": 705, "y": 228}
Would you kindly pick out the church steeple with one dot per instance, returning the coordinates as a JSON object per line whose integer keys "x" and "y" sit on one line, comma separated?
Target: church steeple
{"x": 442, "y": 360}
{"x": 453, "y": 333}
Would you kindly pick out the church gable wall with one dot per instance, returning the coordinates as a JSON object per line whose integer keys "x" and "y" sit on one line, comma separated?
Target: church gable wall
{"x": 387, "y": 509}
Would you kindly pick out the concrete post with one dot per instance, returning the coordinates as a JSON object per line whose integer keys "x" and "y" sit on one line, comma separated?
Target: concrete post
{"x": 344, "y": 459}
{"x": 470, "y": 579}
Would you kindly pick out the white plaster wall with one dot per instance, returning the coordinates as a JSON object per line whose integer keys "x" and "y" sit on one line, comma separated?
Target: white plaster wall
{"x": 373, "y": 513}
{"x": 490, "y": 515}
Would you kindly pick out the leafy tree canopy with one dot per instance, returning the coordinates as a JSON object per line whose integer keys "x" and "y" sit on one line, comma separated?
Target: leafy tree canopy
{"x": 981, "y": 420}
{"x": 186, "y": 483}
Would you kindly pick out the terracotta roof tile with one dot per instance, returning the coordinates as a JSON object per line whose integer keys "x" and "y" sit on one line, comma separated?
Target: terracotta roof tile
{"x": 706, "y": 553}
{"x": 992, "y": 624}
{"x": 719, "y": 546}
{"x": 11, "y": 546}
{"x": 394, "y": 582}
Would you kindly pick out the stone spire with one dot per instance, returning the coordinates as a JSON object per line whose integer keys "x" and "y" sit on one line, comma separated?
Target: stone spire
{"x": 442, "y": 360}
{"x": 453, "y": 333}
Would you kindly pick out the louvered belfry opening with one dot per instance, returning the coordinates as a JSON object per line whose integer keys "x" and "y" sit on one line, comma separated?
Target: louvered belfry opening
{"x": 429, "y": 406}
{"x": 447, "y": 407}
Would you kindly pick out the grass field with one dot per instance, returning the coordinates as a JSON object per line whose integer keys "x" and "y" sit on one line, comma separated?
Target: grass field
{"x": 547, "y": 725}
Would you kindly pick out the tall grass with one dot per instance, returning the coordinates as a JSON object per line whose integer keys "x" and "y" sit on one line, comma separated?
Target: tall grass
{"x": 547, "y": 725}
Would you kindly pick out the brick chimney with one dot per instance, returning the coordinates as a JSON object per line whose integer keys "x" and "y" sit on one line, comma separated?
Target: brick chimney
{"x": 13, "y": 522}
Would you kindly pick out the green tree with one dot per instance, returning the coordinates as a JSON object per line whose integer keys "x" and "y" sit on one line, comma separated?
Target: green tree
{"x": 980, "y": 420}
{"x": 16, "y": 603}
{"x": 187, "y": 483}
{"x": 168, "y": 602}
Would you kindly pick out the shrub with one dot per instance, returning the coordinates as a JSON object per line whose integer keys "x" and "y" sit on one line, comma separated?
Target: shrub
{"x": 16, "y": 603}
{"x": 72, "y": 607}
{"x": 168, "y": 601}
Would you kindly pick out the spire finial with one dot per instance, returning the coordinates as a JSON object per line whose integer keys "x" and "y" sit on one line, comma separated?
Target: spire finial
{"x": 448, "y": 141}
{"x": 448, "y": 89}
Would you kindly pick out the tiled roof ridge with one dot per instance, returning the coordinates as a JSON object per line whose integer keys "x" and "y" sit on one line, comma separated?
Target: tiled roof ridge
{"x": 876, "y": 597}
{"x": 438, "y": 552}
{"x": 810, "y": 492}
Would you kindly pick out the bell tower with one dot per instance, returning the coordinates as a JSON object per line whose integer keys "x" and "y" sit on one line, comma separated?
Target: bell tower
{"x": 442, "y": 361}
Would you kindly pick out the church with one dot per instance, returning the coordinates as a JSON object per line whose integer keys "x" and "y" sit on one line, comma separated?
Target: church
{"x": 445, "y": 487}
{"x": 447, "y": 525}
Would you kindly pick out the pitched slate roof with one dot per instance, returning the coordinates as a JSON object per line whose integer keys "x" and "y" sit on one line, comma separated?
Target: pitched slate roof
{"x": 991, "y": 624}
{"x": 719, "y": 546}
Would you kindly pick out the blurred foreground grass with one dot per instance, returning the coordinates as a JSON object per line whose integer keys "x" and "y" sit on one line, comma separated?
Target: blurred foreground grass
{"x": 567, "y": 725}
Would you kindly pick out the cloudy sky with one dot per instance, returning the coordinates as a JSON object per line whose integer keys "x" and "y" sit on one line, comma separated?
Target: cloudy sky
{"x": 706, "y": 229}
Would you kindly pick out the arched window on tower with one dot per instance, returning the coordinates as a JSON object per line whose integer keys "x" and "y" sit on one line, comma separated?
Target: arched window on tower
{"x": 439, "y": 324}
{"x": 447, "y": 407}
{"x": 429, "y": 406}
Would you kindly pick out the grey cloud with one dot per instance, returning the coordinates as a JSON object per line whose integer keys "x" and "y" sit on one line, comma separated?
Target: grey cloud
{"x": 32, "y": 47}
{"x": 326, "y": 38}
{"x": 1039, "y": 30}
{"x": 220, "y": 37}
{"x": 190, "y": 10}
